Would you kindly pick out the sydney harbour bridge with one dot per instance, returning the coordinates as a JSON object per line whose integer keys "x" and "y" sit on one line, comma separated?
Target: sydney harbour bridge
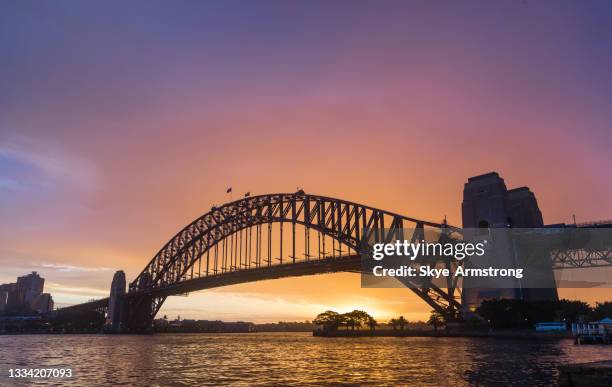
{"x": 281, "y": 235}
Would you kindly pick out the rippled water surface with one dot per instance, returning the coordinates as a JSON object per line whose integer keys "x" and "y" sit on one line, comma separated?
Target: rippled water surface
{"x": 289, "y": 359}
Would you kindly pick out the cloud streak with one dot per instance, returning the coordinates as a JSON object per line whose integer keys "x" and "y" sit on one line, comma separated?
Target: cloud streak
{"x": 70, "y": 268}
{"x": 53, "y": 164}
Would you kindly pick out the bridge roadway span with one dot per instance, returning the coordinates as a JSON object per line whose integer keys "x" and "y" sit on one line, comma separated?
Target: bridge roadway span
{"x": 350, "y": 263}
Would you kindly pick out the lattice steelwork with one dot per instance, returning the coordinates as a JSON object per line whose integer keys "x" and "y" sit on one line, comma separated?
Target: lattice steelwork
{"x": 283, "y": 235}
{"x": 580, "y": 258}
{"x": 271, "y": 236}
{"x": 584, "y": 258}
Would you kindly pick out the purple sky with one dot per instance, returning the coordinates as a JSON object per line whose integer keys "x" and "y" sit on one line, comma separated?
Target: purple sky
{"x": 120, "y": 122}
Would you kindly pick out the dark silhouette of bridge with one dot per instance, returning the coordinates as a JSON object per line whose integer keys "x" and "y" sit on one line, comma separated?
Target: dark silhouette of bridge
{"x": 266, "y": 237}
{"x": 275, "y": 236}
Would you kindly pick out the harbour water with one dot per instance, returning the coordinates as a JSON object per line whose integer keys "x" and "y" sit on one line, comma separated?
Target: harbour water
{"x": 289, "y": 359}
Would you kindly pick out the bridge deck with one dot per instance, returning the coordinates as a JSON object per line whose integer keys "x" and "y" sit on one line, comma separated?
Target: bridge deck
{"x": 340, "y": 264}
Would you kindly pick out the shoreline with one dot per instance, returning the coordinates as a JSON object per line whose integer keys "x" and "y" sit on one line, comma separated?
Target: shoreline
{"x": 511, "y": 334}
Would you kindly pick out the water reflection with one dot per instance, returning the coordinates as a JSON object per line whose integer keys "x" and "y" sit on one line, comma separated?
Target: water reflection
{"x": 290, "y": 359}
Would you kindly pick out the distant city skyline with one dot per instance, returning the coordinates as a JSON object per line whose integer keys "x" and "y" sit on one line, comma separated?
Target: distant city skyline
{"x": 25, "y": 296}
{"x": 118, "y": 127}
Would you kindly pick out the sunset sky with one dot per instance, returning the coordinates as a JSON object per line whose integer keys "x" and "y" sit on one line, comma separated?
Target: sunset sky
{"x": 121, "y": 122}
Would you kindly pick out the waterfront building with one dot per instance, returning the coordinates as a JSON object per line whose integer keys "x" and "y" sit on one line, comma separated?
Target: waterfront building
{"x": 3, "y": 298}
{"x": 43, "y": 303}
{"x": 595, "y": 331}
{"x": 29, "y": 287}
{"x": 25, "y": 296}
{"x": 12, "y": 297}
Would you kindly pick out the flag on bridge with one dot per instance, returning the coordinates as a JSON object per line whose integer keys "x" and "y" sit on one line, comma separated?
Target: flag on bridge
{"x": 229, "y": 190}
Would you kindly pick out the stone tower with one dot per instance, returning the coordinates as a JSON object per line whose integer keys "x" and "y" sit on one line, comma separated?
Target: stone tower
{"x": 115, "y": 303}
{"x": 488, "y": 204}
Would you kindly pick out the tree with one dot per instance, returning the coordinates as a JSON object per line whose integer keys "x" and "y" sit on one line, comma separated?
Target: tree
{"x": 571, "y": 311}
{"x": 602, "y": 310}
{"x": 356, "y": 318}
{"x": 504, "y": 313}
{"x": 330, "y": 320}
{"x": 393, "y": 323}
{"x": 402, "y": 322}
{"x": 435, "y": 320}
{"x": 372, "y": 323}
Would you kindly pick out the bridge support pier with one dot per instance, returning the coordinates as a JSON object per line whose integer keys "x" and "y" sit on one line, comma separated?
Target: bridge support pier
{"x": 140, "y": 312}
{"x": 116, "y": 304}
{"x": 487, "y": 203}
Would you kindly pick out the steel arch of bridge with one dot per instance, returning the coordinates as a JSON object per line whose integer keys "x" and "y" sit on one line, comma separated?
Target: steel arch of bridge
{"x": 197, "y": 257}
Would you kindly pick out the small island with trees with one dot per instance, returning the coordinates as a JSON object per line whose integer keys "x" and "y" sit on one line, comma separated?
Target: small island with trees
{"x": 361, "y": 323}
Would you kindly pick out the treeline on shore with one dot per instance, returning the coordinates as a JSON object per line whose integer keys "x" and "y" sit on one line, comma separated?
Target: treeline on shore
{"x": 510, "y": 314}
{"x": 332, "y": 321}
{"x": 163, "y": 325}
{"x": 491, "y": 314}
{"x": 81, "y": 322}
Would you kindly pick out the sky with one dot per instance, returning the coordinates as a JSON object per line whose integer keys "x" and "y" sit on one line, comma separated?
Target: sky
{"x": 121, "y": 122}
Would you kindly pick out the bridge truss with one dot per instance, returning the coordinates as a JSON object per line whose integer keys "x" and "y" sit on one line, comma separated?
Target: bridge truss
{"x": 598, "y": 255}
{"x": 271, "y": 236}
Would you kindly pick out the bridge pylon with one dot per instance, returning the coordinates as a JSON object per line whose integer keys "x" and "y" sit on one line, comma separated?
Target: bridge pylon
{"x": 116, "y": 304}
{"x": 488, "y": 204}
